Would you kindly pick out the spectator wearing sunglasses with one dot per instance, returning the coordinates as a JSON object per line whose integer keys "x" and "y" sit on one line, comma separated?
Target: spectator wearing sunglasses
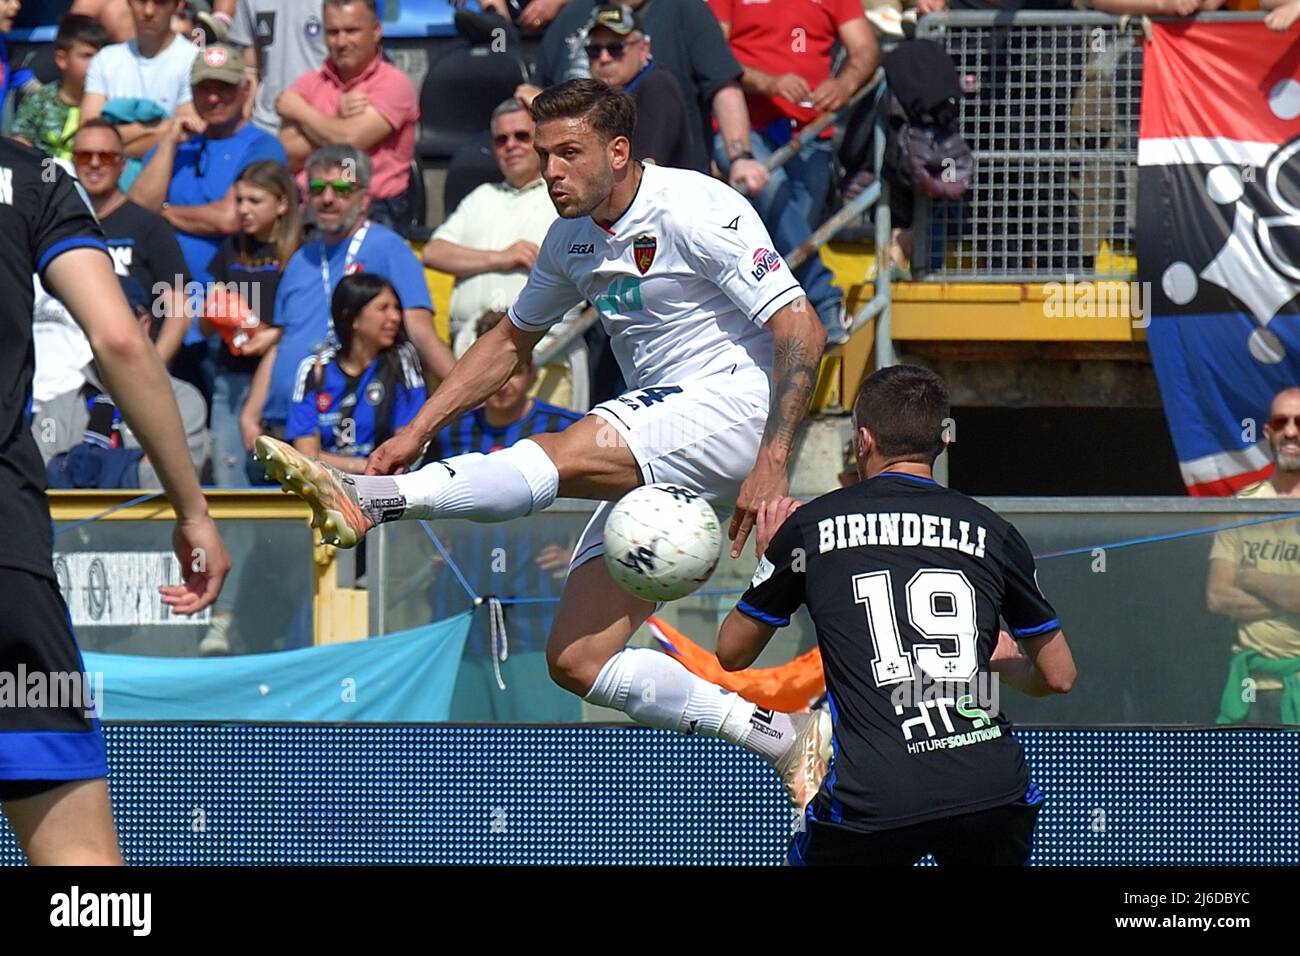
{"x": 490, "y": 242}
{"x": 1255, "y": 579}
{"x": 142, "y": 243}
{"x": 688, "y": 44}
{"x": 189, "y": 178}
{"x": 619, "y": 54}
{"x": 347, "y": 241}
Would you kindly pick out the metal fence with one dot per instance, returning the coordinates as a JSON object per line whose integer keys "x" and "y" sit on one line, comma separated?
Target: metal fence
{"x": 1051, "y": 111}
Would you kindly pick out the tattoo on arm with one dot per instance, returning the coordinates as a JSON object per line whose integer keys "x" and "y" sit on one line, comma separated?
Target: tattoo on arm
{"x": 794, "y": 375}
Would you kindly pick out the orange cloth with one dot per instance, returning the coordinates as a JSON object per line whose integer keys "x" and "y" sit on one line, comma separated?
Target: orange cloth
{"x": 790, "y": 687}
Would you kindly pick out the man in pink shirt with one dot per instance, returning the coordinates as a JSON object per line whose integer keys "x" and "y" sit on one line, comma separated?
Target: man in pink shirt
{"x": 356, "y": 98}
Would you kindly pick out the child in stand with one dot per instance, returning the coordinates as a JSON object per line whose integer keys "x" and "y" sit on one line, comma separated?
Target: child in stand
{"x": 48, "y": 118}
{"x": 246, "y": 271}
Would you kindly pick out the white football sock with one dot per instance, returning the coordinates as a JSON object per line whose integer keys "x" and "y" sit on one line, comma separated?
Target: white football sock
{"x": 654, "y": 689}
{"x": 506, "y": 484}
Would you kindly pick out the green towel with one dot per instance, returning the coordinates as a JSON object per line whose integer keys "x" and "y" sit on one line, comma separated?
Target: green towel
{"x": 1233, "y": 710}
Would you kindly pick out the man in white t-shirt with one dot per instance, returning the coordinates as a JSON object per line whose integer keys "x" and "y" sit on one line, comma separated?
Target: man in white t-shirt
{"x": 154, "y": 66}
{"x": 721, "y": 351}
{"x": 489, "y": 243}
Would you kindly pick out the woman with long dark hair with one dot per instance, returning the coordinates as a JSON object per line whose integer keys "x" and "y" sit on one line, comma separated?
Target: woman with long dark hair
{"x": 361, "y": 392}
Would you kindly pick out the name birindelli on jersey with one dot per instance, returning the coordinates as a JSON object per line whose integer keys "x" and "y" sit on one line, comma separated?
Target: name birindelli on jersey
{"x": 899, "y": 530}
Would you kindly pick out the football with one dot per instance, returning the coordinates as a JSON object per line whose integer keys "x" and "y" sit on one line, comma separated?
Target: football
{"x": 662, "y": 541}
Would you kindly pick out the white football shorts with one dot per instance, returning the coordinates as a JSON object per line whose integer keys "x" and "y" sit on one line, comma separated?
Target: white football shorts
{"x": 701, "y": 434}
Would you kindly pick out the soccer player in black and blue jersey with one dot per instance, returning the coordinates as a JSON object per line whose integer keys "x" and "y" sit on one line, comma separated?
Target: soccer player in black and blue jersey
{"x": 906, "y": 582}
{"x": 53, "y": 766}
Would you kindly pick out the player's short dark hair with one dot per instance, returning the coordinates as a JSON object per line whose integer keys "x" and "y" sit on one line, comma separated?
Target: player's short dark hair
{"x": 100, "y": 123}
{"x": 608, "y": 111}
{"x": 79, "y": 28}
{"x": 905, "y": 407}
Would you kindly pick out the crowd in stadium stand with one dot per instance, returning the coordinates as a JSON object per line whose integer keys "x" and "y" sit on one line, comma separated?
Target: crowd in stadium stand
{"x": 250, "y": 160}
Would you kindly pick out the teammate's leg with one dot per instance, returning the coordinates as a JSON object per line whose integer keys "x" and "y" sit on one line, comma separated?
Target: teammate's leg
{"x": 53, "y": 769}
{"x": 70, "y": 824}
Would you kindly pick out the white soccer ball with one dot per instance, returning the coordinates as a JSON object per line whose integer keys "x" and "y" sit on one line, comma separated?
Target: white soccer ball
{"x": 662, "y": 541}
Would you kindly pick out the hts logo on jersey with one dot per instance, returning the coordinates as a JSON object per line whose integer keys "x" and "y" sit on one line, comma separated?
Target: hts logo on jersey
{"x": 975, "y": 702}
{"x": 765, "y": 261}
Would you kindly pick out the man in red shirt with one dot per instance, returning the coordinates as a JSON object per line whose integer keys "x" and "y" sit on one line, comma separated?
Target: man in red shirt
{"x": 356, "y": 98}
{"x": 785, "y": 48}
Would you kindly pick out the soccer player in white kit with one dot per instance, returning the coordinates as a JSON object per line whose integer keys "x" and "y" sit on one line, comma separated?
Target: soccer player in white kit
{"x": 720, "y": 350}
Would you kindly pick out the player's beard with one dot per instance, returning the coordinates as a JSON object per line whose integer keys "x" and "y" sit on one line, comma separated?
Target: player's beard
{"x": 591, "y": 199}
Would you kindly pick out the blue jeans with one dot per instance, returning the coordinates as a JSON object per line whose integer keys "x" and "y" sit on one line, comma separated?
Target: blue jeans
{"x": 229, "y": 391}
{"x": 796, "y": 193}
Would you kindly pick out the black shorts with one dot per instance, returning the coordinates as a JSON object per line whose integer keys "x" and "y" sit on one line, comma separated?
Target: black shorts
{"x": 49, "y": 728}
{"x": 1001, "y": 836}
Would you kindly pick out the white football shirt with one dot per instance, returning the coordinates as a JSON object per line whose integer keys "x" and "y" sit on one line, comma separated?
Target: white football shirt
{"x": 684, "y": 280}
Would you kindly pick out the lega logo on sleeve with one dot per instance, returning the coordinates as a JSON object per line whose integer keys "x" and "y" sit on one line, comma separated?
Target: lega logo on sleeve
{"x": 765, "y": 261}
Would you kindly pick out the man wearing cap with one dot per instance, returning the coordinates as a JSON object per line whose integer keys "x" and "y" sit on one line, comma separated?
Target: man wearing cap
{"x": 189, "y": 177}
{"x": 688, "y": 44}
{"x": 356, "y": 99}
{"x": 619, "y": 54}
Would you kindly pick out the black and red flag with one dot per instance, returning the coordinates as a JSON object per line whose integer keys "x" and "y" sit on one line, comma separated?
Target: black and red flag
{"x": 1218, "y": 238}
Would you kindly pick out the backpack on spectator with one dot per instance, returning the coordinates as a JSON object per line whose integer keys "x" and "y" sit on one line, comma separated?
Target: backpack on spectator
{"x": 924, "y": 150}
